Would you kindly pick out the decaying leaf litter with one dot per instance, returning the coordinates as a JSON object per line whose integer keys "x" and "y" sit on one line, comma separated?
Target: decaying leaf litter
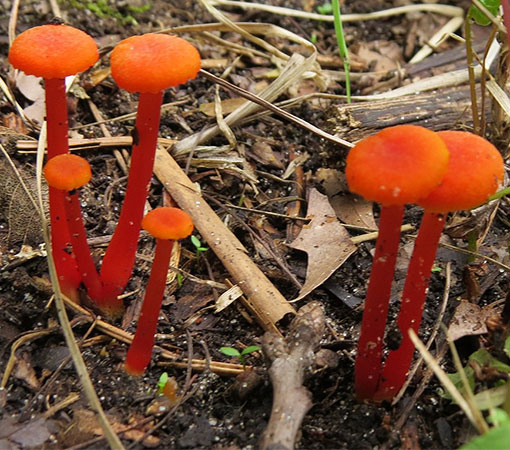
{"x": 262, "y": 201}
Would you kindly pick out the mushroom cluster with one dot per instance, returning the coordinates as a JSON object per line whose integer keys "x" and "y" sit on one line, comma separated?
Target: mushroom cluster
{"x": 148, "y": 65}
{"x": 441, "y": 172}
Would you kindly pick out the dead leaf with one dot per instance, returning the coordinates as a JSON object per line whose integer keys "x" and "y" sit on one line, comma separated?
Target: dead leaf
{"x": 24, "y": 371}
{"x": 263, "y": 153}
{"x": 33, "y": 434}
{"x": 350, "y": 209}
{"x": 354, "y": 210}
{"x": 469, "y": 320}
{"x": 227, "y": 298}
{"x": 379, "y": 56}
{"x": 325, "y": 240}
{"x": 227, "y": 106}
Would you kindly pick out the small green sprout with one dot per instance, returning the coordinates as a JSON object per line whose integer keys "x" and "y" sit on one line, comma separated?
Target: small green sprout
{"x": 234, "y": 353}
{"x": 325, "y": 8}
{"x": 437, "y": 269}
{"x": 179, "y": 279}
{"x": 162, "y": 382}
{"x": 198, "y": 246}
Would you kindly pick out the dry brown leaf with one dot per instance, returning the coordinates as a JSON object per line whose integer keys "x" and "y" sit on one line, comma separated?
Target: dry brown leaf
{"x": 325, "y": 240}
{"x": 354, "y": 210}
{"x": 24, "y": 371}
{"x": 227, "y": 106}
{"x": 350, "y": 209}
{"x": 469, "y": 320}
{"x": 379, "y": 56}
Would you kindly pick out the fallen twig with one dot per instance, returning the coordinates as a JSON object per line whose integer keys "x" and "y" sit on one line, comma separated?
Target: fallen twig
{"x": 291, "y": 359}
{"x": 266, "y": 302}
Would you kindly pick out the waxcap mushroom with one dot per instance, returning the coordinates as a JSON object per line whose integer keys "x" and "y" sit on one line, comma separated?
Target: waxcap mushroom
{"x": 475, "y": 171}
{"x": 153, "y": 62}
{"x": 53, "y": 51}
{"x": 168, "y": 223}
{"x": 398, "y": 165}
{"x": 67, "y": 172}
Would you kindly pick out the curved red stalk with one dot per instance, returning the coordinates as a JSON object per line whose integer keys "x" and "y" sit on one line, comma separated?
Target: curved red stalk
{"x": 140, "y": 351}
{"x": 397, "y": 363}
{"x": 57, "y": 136}
{"x": 120, "y": 256}
{"x": 370, "y": 345}
{"x": 86, "y": 266}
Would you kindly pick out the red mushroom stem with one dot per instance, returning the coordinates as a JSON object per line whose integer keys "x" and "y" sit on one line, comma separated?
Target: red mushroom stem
{"x": 140, "y": 350}
{"x": 57, "y": 137}
{"x": 370, "y": 344}
{"x": 120, "y": 255}
{"x": 65, "y": 174}
{"x": 398, "y": 361}
{"x": 86, "y": 266}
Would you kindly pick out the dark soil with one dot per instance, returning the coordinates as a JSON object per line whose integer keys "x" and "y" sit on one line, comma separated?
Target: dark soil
{"x": 211, "y": 414}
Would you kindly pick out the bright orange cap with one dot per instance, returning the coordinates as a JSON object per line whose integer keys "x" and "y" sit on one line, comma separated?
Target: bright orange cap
{"x": 67, "y": 172}
{"x": 398, "y": 165}
{"x": 53, "y": 51}
{"x": 474, "y": 172}
{"x": 153, "y": 62}
{"x": 168, "y": 223}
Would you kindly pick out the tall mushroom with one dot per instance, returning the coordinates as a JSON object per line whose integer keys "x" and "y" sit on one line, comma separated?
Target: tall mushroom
{"x": 146, "y": 64}
{"x": 67, "y": 173}
{"x": 166, "y": 225}
{"x": 54, "y": 52}
{"x": 474, "y": 172}
{"x": 396, "y": 166}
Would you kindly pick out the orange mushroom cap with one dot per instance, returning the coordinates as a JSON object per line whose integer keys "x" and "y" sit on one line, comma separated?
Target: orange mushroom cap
{"x": 168, "y": 223}
{"x": 398, "y": 165}
{"x": 475, "y": 171}
{"x": 67, "y": 172}
{"x": 153, "y": 62}
{"x": 53, "y": 51}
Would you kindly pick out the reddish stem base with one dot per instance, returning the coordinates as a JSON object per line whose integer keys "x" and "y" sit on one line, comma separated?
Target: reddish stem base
{"x": 120, "y": 256}
{"x": 398, "y": 361}
{"x": 140, "y": 352}
{"x": 370, "y": 344}
{"x": 86, "y": 266}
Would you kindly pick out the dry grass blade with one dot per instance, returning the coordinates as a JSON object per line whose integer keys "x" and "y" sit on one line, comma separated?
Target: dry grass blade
{"x": 499, "y": 95}
{"x": 443, "y": 378}
{"x": 446, "y": 10}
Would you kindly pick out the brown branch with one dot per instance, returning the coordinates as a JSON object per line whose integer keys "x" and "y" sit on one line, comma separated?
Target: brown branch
{"x": 291, "y": 359}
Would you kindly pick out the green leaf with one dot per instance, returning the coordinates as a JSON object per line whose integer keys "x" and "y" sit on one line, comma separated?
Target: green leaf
{"x": 495, "y": 439}
{"x": 326, "y": 8}
{"x": 229, "y": 351}
{"x": 195, "y": 241}
{"x": 484, "y": 358}
{"x": 498, "y": 416}
{"x": 457, "y": 381}
{"x": 490, "y": 398}
{"x": 250, "y": 349}
{"x": 479, "y": 17}
{"x": 506, "y": 348}
{"x": 162, "y": 381}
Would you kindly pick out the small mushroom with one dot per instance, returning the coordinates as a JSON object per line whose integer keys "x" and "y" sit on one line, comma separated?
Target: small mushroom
{"x": 475, "y": 171}
{"x": 166, "y": 225}
{"x": 147, "y": 64}
{"x": 67, "y": 173}
{"x": 54, "y": 52}
{"x": 396, "y": 166}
